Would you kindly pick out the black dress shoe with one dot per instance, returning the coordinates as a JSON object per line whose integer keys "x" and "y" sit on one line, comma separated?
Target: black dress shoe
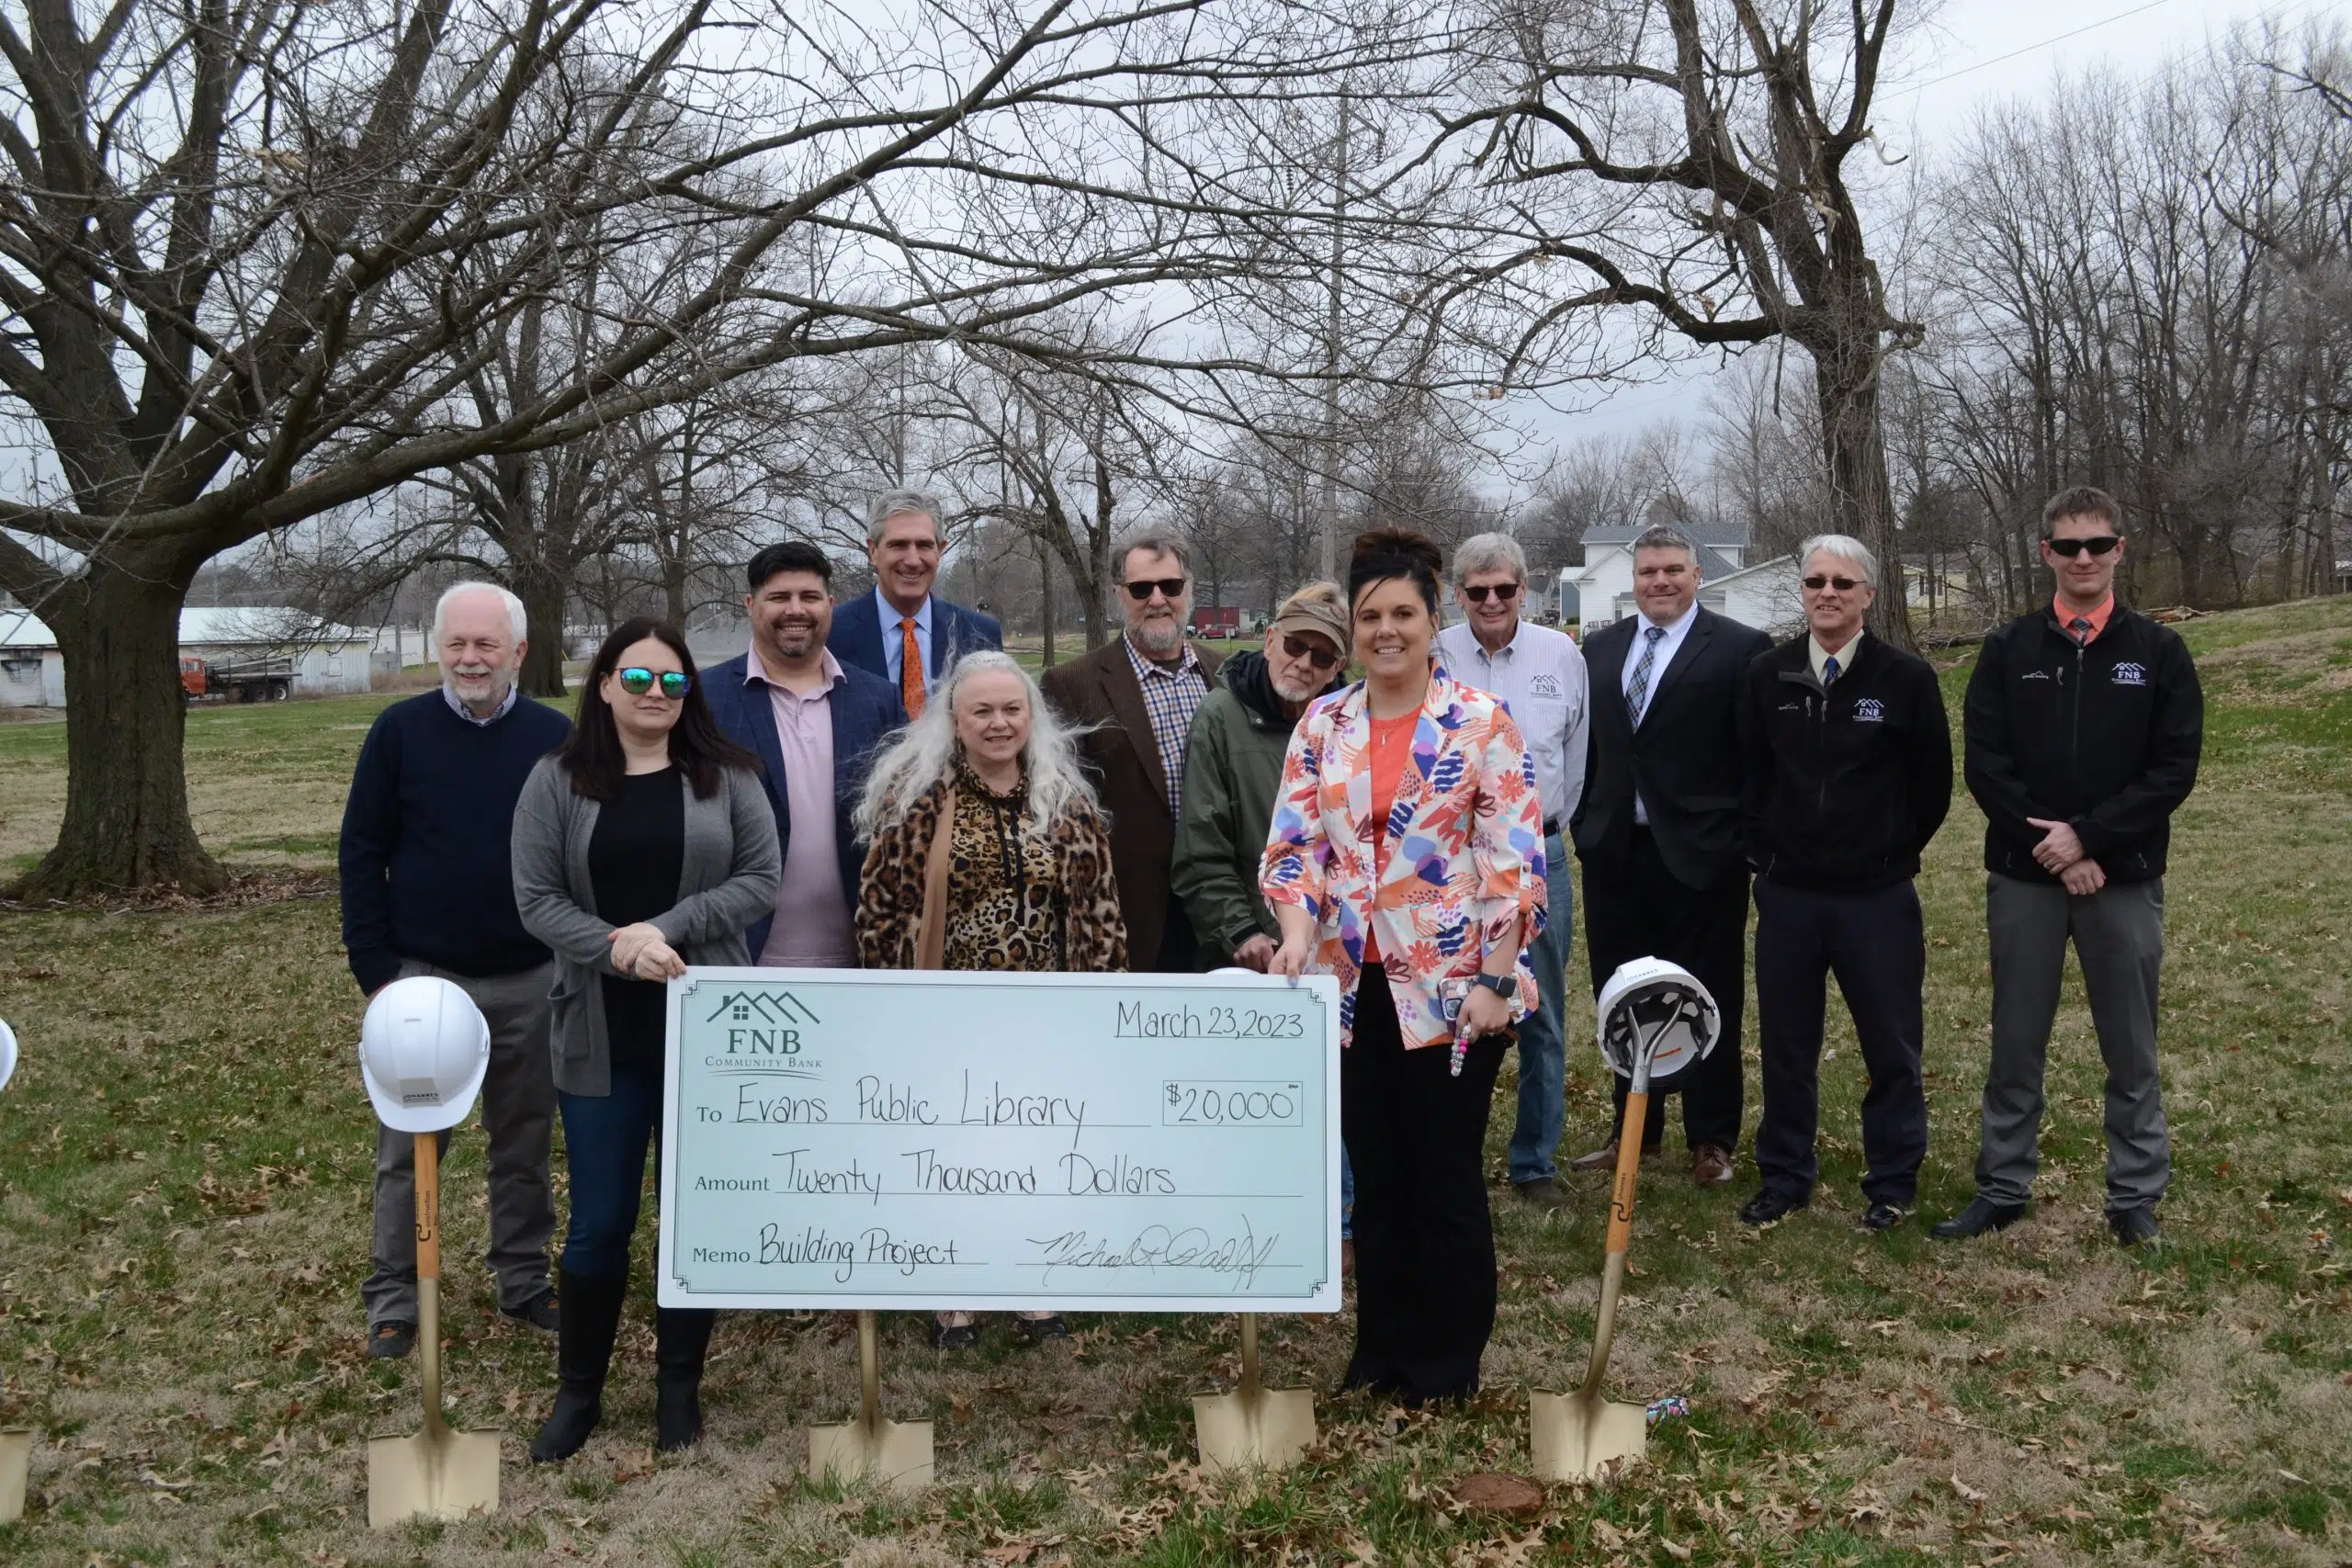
{"x": 957, "y": 1337}
{"x": 1768, "y": 1206}
{"x": 540, "y": 1312}
{"x": 1981, "y": 1215}
{"x": 2134, "y": 1227}
{"x": 1542, "y": 1193}
{"x": 391, "y": 1341}
{"x": 1883, "y": 1216}
{"x": 1038, "y": 1330}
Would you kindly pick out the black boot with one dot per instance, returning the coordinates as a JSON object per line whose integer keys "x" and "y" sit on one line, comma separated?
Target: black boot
{"x": 680, "y": 1336}
{"x": 583, "y": 1351}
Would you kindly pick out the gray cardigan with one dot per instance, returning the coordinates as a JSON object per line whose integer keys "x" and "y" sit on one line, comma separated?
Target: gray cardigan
{"x": 727, "y": 885}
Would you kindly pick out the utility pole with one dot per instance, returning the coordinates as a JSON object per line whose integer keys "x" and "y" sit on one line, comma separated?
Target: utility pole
{"x": 1331, "y": 350}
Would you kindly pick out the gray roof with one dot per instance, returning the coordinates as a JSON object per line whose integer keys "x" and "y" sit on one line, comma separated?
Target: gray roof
{"x": 1711, "y": 565}
{"x": 1704, "y": 533}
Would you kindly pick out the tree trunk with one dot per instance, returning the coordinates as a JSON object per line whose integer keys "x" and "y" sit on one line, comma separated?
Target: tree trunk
{"x": 127, "y": 823}
{"x": 542, "y": 590}
{"x": 1046, "y": 600}
{"x": 1862, "y": 503}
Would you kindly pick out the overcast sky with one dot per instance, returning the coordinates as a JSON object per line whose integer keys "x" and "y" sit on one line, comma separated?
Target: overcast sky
{"x": 1979, "y": 52}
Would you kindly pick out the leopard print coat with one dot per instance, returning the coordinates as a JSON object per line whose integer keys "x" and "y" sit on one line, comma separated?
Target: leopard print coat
{"x": 1018, "y": 899}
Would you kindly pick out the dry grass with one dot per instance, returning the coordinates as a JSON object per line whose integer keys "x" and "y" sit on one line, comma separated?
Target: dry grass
{"x": 183, "y": 1196}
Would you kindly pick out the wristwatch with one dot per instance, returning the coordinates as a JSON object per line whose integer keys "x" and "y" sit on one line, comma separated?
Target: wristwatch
{"x": 1503, "y": 985}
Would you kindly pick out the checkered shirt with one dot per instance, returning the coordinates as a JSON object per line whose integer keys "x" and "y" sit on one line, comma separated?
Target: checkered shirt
{"x": 1171, "y": 697}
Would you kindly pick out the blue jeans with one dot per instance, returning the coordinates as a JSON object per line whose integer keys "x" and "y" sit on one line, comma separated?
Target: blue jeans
{"x": 605, "y": 1138}
{"x": 1542, "y": 1042}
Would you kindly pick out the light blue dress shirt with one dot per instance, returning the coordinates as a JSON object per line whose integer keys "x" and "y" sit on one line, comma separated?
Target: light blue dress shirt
{"x": 893, "y": 639}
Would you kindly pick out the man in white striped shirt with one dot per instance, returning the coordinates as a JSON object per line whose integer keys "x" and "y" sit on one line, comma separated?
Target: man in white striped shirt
{"x": 1540, "y": 676}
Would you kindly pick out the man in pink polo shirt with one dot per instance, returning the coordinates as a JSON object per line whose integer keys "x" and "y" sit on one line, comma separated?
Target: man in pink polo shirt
{"x": 816, "y": 724}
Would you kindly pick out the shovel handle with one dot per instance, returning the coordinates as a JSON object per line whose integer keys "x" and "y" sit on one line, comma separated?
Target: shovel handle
{"x": 1629, "y": 1170}
{"x": 428, "y": 1206}
{"x": 869, "y": 1373}
{"x": 1250, "y": 1355}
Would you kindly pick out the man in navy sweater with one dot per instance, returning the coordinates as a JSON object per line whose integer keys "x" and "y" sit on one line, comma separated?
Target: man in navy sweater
{"x": 428, "y": 889}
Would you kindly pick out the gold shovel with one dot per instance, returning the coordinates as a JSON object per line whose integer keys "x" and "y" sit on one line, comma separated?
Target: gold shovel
{"x": 1256, "y": 1427}
{"x": 437, "y": 1473}
{"x": 1573, "y": 1436}
{"x": 15, "y": 1464}
{"x": 896, "y": 1453}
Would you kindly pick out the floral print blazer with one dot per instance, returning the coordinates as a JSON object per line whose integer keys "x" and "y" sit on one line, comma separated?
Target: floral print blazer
{"x": 1466, "y": 849}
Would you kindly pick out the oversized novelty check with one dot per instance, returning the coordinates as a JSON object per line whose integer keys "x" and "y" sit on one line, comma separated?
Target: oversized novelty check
{"x": 844, "y": 1138}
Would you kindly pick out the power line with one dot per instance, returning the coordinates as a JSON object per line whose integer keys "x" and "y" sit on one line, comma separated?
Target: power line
{"x": 2029, "y": 48}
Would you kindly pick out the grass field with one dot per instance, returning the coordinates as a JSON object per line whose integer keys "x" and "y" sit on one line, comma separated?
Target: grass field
{"x": 183, "y": 1218}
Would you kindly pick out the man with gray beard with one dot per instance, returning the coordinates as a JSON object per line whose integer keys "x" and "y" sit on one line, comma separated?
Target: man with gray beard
{"x": 1136, "y": 696}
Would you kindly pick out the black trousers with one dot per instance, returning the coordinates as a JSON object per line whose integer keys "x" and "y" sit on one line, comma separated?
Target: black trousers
{"x": 1643, "y": 912}
{"x": 1425, "y": 1243}
{"x": 1876, "y": 944}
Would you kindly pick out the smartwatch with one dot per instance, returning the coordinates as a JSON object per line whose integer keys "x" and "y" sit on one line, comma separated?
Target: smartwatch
{"x": 1503, "y": 985}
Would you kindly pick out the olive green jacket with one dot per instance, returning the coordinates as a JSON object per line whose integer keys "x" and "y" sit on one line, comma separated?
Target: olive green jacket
{"x": 1233, "y": 767}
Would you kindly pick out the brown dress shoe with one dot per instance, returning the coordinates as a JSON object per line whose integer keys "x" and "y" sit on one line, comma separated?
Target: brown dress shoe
{"x": 1711, "y": 1165}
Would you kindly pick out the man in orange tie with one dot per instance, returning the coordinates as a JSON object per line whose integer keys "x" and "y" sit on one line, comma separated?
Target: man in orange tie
{"x": 900, "y": 631}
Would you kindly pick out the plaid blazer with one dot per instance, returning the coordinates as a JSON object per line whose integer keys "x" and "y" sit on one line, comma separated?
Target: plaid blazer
{"x": 1466, "y": 849}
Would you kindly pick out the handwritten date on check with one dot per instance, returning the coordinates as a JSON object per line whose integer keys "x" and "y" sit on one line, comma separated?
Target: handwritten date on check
{"x": 844, "y": 1138}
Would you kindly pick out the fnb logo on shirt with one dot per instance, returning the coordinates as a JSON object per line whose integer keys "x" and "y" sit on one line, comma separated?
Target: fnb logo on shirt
{"x": 1869, "y": 710}
{"x": 2130, "y": 675}
{"x": 1544, "y": 686}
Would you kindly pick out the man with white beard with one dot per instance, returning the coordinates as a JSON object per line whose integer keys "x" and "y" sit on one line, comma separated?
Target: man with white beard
{"x": 1137, "y": 695}
{"x": 428, "y": 889}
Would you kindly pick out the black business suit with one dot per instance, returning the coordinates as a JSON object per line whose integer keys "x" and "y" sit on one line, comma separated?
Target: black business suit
{"x": 1676, "y": 889}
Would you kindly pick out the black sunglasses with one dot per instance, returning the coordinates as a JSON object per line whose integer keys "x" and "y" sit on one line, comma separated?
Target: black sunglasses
{"x": 2098, "y": 544}
{"x": 637, "y": 681}
{"x": 1169, "y": 587}
{"x": 1843, "y": 584}
{"x": 1505, "y": 591}
{"x": 1314, "y": 653}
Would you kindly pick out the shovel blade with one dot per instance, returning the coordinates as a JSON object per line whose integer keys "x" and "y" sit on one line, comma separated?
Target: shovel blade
{"x": 1267, "y": 1431}
{"x": 894, "y": 1454}
{"x": 437, "y": 1475}
{"x": 1577, "y": 1438}
{"x": 15, "y": 1464}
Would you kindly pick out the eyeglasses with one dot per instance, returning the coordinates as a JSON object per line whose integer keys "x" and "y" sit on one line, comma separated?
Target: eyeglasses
{"x": 1505, "y": 591}
{"x": 2098, "y": 544}
{"x": 1167, "y": 587}
{"x": 637, "y": 681}
{"x": 1314, "y": 653}
{"x": 1816, "y": 582}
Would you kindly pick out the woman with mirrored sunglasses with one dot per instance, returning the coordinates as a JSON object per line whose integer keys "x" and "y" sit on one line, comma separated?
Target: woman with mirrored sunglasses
{"x": 644, "y": 844}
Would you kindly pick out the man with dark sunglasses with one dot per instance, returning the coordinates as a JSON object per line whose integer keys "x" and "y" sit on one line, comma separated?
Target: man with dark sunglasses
{"x": 1540, "y": 676}
{"x": 1139, "y": 695}
{"x": 1846, "y": 776}
{"x": 2083, "y": 724}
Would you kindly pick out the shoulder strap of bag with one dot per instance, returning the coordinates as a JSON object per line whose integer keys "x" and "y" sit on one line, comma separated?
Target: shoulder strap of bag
{"x": 931, "y": 934}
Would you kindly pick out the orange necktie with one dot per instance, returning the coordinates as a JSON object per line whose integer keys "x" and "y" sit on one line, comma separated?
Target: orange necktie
{"x": 909, "y": 668}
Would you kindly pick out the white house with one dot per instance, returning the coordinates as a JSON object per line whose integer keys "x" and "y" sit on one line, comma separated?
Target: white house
{"x": 327, "y": 658}
{"x": 1763, "y": 596}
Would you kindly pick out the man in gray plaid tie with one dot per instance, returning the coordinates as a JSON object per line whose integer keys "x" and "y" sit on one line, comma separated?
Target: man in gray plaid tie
{"x": 1658, "y": 827}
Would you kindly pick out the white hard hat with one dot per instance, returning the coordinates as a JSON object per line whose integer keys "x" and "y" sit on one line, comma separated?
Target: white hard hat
{"x": 1653, "y": 1008}
{"x": 424, "y": 1049}
{"x": 7, "y": 1054}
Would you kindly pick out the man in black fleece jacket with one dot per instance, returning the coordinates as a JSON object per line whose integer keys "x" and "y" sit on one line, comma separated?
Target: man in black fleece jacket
{"x": 1847, "y": 774}
{"x": 428, "y": 889}
{"x": 2083, "y": 724}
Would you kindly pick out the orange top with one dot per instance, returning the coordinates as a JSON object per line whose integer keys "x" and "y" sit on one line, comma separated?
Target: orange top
{"x": 1392, "y": 742}
{"x": 2098, "y": 618}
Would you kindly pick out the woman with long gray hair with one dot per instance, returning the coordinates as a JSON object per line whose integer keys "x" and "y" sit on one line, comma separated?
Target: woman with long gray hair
{"x": 980, "y": 808}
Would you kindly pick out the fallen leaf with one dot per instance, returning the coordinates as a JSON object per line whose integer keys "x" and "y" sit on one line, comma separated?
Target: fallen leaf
{"x": 1497, "y": 1492}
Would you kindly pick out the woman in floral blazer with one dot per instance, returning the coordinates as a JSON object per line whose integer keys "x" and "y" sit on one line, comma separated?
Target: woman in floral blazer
{"x": 1407, "y": 858}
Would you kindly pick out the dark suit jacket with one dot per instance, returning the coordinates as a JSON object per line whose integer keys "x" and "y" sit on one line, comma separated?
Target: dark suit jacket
{"x": 1685, "y": 758}
{"x": 865, "y": 709}
{"x": 856, "y": 638}
{"x": 1101, "y": 690}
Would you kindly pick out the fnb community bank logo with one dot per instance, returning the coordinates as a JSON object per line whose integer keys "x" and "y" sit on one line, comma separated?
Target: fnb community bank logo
{"x": 757, "y": 1030}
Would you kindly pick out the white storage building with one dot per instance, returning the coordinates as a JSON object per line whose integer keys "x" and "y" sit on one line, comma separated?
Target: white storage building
{"x": 327, "y": 658}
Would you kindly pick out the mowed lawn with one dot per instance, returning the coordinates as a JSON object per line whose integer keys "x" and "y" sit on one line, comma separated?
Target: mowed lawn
{"x": 184, "y": 1166}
